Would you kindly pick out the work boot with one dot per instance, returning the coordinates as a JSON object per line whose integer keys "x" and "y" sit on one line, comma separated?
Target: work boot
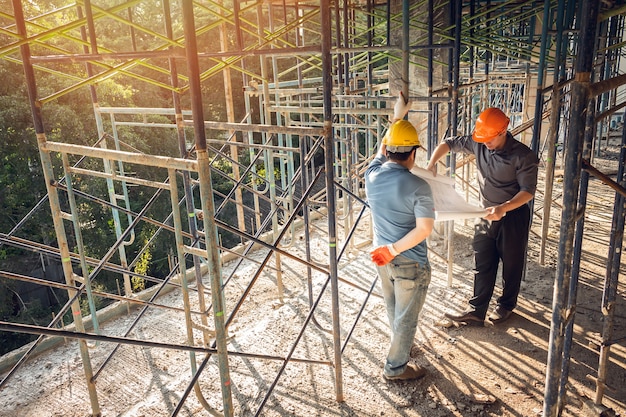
{"x": 412, "y": 371}
{"x": 468, "y": 317}
{"x": 499, "y": 315}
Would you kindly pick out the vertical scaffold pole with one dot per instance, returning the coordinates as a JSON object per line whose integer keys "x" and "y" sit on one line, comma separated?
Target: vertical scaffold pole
{"x": 541, "y": 72}
{"x": 552, "y": 139}
{"x": 208, "y": 207}
{"x": 330, "y": 193}
{"x": 406, "y": 11}
{"x": 55, "y": 205}
{"x": 571, "y": 181}
{"x": 454, "y": 110}
{"x": 611, "y": 280}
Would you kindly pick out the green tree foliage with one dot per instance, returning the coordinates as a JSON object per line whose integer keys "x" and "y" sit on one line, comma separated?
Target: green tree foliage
{"x": 142, "y": 267}
{"x": 21, "y": 177}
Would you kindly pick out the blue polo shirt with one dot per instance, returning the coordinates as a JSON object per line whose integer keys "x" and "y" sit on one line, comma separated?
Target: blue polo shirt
{"x": 396, "y": 198}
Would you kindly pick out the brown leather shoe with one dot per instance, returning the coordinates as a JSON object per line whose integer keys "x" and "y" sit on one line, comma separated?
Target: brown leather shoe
{"x": 499, "y": 315}
{"x": 468, "y": 317}
{"x": 412, "y": 371}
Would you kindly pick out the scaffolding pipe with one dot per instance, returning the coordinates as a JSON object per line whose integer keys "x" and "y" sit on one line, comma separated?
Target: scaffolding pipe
{"x": 573, "y": 164}
{"x": 578, "y": 242}
{"x": 180, "y": 248}
{"x": 305, "y": 183}
{"x": 541, "y": 73}
{"x": 454, "y": 110}
{"x": 90, "y": 41}
{"x": 555, "y": 117}
{"x": 189, "y": 201}
{"x": 54, "y": 199}
{"x": 406, "y": 16}
{"x": 330, "y": 194}
{"x": 206, "y": 198}
{"x": 46, "y": 331}
{"x": 78, "y": 236}
{"x": 611, "y": 281}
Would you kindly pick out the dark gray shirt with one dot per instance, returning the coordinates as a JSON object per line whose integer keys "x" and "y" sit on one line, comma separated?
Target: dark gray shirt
{"x": 501, "y": 173}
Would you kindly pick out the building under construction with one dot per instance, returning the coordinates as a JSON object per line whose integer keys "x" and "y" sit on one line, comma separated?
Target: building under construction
{"x": 318, "y": 80}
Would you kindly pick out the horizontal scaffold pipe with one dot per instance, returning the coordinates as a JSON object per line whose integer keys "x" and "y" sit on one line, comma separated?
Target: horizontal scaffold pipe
{"x": 49, "y": 331}
{"x": 244, "y": 127}
{"x": 130, "y": 157}
{"x": 254, "y": 145}
{"x": 609, "y": 112}
{"x": 53, "y": 284}
{"x": 336, "y": 110}
{"x": 179, "y": 53}
{"x": 529, "y": 123}
{"x": 604, "y": 178}
{"x": 607, "y": 85}
{"x": 491, "y": 80}
{"x": 383, "y": 48}
{"x": 141, "y": 110}
{"x": 117, "y": 177}
{"x": 147, "y": 124}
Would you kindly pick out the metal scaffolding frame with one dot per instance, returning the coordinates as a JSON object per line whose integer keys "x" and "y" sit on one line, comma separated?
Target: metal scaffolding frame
{"x": 316, "y": 77}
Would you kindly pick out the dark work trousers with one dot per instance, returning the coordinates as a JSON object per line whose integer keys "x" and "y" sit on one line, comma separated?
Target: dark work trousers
{"x": 494, "y": 241}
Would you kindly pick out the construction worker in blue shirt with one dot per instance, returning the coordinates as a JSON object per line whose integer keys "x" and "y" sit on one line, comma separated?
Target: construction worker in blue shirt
{"x": 403, "y": 215}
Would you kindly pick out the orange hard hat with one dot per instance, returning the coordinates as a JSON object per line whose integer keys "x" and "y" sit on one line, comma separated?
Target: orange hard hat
{"x": 401, "y": 137}
{"x": 490, "y": 123}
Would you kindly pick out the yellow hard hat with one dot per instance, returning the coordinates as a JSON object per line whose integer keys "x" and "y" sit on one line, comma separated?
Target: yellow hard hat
{"x": 401, "y": 137}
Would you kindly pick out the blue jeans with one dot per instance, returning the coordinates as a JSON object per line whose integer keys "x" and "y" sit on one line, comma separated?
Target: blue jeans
{"x": 404, "y": 284}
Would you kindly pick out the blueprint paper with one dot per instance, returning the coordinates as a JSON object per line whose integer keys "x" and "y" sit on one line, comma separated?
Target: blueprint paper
{"x": 449, "y": 204}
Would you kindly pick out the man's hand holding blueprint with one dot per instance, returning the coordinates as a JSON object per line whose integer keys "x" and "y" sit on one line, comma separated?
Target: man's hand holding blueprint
{"x": 449, "y": 204}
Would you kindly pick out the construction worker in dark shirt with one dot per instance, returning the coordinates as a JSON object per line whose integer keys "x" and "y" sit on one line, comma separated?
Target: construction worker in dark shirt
{"x": 507, "y": 177}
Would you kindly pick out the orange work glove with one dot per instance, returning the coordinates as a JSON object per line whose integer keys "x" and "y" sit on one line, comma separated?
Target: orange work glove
{"x": 382, "y": 255}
